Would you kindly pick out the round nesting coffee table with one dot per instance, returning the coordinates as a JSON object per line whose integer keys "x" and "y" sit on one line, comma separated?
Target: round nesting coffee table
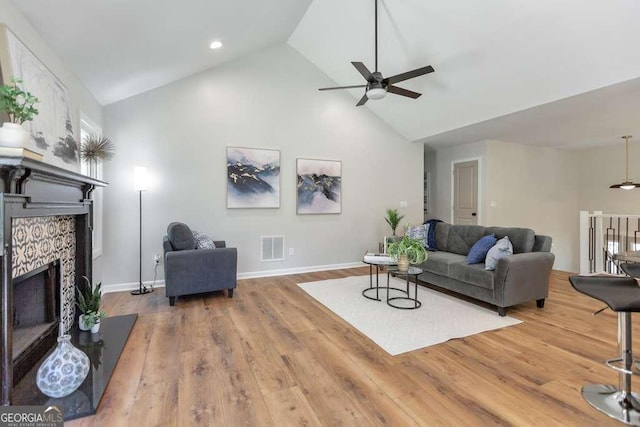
{"x": 380, "y": 265}
{"x": 414, "y": 303}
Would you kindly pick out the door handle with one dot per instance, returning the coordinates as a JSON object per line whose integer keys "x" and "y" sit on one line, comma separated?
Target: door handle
{"x": 473, "y": 214}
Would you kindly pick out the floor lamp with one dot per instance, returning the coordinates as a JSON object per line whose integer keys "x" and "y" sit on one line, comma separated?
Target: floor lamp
{"x": 140, "y": 184}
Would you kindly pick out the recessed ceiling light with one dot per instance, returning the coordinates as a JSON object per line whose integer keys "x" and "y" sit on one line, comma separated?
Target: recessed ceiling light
{"x": 215, "y": 44}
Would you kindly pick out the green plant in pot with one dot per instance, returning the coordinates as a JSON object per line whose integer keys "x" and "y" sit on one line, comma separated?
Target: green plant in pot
{"x": 88, "y": 300}
{"x": 393, "y": 219}
{"x": 407, "y": 251}
{"x": 19, "y": 105}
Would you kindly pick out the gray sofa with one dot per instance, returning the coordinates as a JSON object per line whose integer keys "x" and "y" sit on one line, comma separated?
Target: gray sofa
{"x": 190, "y": 271}
{"x": 518, "y": 278}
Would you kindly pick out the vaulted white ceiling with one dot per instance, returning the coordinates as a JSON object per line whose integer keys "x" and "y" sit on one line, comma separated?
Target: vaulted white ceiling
{"x": 548, "y": 72}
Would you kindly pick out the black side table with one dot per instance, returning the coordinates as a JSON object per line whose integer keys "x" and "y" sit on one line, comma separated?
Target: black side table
{"x": 411, "y": 272}
{"x": 379, "y": 266}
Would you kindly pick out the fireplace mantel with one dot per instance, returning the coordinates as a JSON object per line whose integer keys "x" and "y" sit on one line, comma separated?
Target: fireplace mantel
{"x": 30, "y": 188}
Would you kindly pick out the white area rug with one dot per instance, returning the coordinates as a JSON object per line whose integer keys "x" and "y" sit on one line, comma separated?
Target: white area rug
{"x": 440, "y": 318}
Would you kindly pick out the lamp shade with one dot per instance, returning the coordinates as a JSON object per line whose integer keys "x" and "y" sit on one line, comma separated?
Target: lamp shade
{"x": 140, "y": 178}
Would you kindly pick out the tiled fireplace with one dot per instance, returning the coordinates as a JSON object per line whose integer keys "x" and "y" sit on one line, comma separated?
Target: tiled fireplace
{"x": 46, "y": 215}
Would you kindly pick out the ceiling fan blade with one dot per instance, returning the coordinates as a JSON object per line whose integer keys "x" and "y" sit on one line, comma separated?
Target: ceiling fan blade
{"x": 362, "y": 100}
{"x": 341, "y": 87}
{"x": 362, "y": 69}
{"x": 409, "y": 75}
{"x": 404, "y": 92}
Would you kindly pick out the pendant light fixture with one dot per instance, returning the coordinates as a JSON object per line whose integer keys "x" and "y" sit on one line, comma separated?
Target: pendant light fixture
{"x": 626, "y": 185}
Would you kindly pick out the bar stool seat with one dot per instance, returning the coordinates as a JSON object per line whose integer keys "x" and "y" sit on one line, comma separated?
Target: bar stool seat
{"x": 622, "y": 295}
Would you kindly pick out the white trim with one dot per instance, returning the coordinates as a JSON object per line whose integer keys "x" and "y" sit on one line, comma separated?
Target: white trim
{"x": 120, "y": 287}
{"x": 480, "y": 182}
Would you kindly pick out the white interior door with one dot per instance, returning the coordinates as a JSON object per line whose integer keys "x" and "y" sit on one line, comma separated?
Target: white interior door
{"x": 465, "y": 193}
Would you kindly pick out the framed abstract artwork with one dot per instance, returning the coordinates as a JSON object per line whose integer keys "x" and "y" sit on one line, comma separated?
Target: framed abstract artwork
{"x": 253, "y": 178}
{"x": 319, "y": 187}
{"x": 52, "y": 129}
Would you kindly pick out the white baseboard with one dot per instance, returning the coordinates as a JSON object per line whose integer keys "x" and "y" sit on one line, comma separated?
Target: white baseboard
{"x": 120, "y": 287}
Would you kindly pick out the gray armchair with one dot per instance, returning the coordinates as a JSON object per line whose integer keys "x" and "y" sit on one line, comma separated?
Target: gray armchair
{"x": 188, "y": 270}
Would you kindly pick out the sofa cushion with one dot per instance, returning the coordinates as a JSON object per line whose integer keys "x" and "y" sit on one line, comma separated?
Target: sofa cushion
{"x": 462, "y": 237}
{"x": 439, "y": 262}
{"x": 202, "y": 240}
{"x": 522, "y": 239}
{"x": 180, "y": 236}
{"x": 501, "y": 249}
{"x": 474, "y": 274}
{"x": 478, "y": 251}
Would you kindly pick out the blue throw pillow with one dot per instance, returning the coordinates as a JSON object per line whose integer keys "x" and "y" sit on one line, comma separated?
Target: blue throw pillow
{"x": 502, "y": 248}
{"x": 478, "y": 252}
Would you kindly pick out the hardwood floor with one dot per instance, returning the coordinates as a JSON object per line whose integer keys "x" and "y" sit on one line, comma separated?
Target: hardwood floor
{"x": 273, "y": 356}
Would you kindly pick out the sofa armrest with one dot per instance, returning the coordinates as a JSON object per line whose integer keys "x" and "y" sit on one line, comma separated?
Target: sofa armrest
{"x": 522, "y": 277}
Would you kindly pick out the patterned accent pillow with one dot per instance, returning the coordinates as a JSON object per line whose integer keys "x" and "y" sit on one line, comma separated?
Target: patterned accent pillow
{"x": 419, "y": 232}
{"x": 478, "y": 251}
{"x": 203, "y": 241}
{"x": 501, "y": 249}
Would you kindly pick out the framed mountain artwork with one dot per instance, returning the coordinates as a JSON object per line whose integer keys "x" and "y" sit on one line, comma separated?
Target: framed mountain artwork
{"x": 319, "y": 187}
{"x": 253, "y": 178}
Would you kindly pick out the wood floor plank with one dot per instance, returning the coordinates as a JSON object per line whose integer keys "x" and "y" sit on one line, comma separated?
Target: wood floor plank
{"x": 289, "y": 407}
{"x": 272, "y": 355}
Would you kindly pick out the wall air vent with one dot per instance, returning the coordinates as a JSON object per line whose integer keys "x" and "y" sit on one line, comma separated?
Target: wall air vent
{"x": 272, "y": 248}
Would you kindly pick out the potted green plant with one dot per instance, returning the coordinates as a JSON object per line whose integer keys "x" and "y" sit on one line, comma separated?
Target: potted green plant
{"x": 407, "y": 251}
{"x": 393, "y": 219}
{"x": 20, "y": 107}
{"x": 88, "y": 301}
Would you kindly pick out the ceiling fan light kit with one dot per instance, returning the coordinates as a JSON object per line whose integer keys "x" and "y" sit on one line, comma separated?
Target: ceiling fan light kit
{"x": 377, "y": 86}
{"x": 376, "y": 93}
{"x": 626, "y": 184}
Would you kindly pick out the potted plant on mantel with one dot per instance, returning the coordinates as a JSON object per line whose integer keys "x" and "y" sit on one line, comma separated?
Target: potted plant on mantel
{"x": 88, "y": 301}
{"x": 407, "y": 251}
{"x": 20, "y": 107}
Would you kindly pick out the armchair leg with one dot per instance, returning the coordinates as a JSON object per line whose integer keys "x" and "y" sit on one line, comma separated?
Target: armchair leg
{"x": 540, "y": 302}
{"x": 502, "y": 311}
{"x": 172, "y": 301}
{"x": 230, "y": 292}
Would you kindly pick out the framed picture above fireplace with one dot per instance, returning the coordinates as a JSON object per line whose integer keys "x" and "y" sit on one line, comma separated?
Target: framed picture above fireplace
{"x": 52, "y": 130}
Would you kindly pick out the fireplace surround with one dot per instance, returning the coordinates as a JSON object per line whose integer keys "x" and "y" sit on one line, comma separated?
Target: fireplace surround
{"x": 47, "y": 220}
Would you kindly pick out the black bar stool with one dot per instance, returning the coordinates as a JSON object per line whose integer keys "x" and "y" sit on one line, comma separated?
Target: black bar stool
{"x": 622, "y": 295}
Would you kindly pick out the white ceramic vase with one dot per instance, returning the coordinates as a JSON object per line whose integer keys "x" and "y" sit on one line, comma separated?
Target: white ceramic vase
{"x": 13, "y": 135}
{"x": 64, "y": 370}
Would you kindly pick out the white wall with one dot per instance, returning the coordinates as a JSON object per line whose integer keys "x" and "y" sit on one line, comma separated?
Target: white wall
{"x": 267, "y": 100}
{"x": 601, "y": 167}
{"x": 534, "y": 187}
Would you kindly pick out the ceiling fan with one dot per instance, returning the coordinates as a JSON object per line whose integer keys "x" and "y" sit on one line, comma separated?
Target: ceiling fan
{"x": 377, "y": 86}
